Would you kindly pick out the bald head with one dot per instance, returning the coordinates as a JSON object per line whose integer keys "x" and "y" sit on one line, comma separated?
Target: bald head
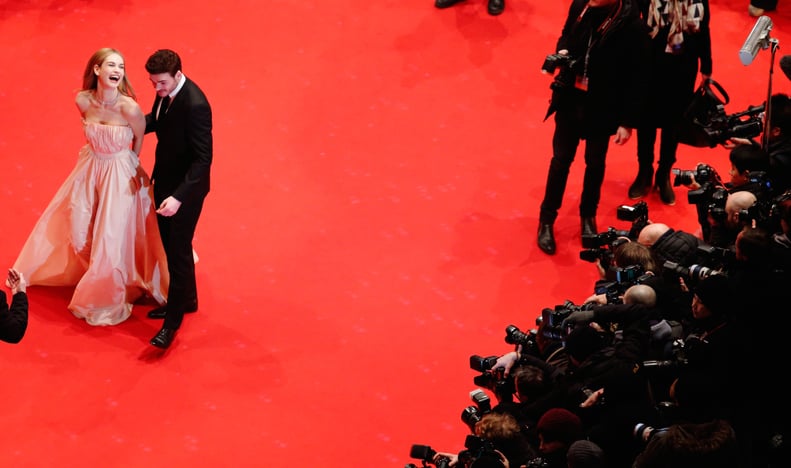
{"x": 736, "y": 202}
{"x": 651, "y": 233}
{"x": 640, "y": 294}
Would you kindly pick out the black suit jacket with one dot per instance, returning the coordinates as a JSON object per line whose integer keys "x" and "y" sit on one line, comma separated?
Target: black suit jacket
{"x": 184, "y": 151}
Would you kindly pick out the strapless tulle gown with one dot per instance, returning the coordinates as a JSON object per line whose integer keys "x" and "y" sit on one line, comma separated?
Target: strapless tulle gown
{"x": 99, "y": 232}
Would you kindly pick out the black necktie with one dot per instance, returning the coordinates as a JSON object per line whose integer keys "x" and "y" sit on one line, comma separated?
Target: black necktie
{"x": 163, "y": 107}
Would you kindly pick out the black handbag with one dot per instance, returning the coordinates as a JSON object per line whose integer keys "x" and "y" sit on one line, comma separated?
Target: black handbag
{"x": 706, "y": 109}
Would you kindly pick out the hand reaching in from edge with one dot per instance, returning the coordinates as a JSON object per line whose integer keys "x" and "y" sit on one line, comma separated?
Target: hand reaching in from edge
{"x": 15, "y": 281}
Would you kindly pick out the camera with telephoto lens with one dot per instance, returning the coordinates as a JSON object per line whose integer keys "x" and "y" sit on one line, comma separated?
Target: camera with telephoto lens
{"x": 553, "y": 61}
{"x": 705, "y": 176}
{"x": 527, "y": 341}
{"x": 426, "y": 455}
{"x": 492, "y": 379}
{"x": 692, "y": 274}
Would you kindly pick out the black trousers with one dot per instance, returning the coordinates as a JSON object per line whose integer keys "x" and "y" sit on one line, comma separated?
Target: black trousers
{"x": 668, "y": 146}
{"x": 565, "y": 141}
{"x": 768, "y": 5}
{"x": 177, "y": 232}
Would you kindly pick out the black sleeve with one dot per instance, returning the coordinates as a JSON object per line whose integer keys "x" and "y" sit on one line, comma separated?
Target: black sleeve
{"x": 13, "y": 320}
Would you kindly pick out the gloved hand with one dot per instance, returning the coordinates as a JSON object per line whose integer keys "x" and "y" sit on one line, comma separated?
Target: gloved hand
{"x": 580, "y": 316}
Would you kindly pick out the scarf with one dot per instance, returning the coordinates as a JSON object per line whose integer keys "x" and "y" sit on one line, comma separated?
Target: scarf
{"x": 682, "y": 16}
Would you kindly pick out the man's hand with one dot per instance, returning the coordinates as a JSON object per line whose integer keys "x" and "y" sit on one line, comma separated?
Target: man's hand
{"x": 622, "y": 135}
{"x": 169, "y": 207}
{"x": 507, "y": 361}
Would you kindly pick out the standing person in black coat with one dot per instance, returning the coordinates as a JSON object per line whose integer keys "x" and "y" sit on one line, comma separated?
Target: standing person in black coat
{"x": 681, "y": 44}
{"x": 182, "y": 119}
{"x": 602, "y": 59}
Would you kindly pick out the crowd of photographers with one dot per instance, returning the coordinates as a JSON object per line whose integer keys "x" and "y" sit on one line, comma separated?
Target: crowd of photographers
{"x": 673, "y": 358}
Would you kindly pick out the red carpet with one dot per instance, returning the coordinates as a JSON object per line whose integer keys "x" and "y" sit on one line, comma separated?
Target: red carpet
{"x": 378, "y": 170}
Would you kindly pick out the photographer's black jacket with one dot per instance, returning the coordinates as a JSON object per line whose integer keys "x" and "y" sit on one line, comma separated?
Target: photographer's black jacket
{"x": 13, "y": 319}
{"x": 609, "y": 45}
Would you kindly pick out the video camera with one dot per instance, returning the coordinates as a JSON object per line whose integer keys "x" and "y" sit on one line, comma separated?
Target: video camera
{"x": 745, "y": 124}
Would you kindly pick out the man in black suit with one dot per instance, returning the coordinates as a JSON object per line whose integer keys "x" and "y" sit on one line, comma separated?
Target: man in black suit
{"x": 181, "y": 118}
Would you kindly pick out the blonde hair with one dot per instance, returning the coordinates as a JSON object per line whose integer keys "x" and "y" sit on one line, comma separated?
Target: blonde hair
{"x": 90, "y": 80}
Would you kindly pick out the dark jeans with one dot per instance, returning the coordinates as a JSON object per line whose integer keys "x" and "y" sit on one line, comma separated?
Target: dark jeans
{"x": 568, "y": 133}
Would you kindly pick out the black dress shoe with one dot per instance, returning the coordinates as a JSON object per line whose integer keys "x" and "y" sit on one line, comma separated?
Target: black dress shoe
{"x": 445, "y": 3}
{"x": 589, "y": 226}
{"x": 495, "y": 7}
{"x": 159, "y": 312}
{"x": 163, "y": 338}
{"x": 546, "y": 238}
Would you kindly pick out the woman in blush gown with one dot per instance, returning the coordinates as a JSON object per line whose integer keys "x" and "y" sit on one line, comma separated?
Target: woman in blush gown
{"x": 99, "y": 232}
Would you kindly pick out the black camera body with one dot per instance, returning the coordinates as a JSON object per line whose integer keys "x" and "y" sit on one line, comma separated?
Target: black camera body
{"x": 553, "y": 320}
{"x": 553, "y": 61}
{"x": 426, "y": 454}
{"x": 476, "y": 448}
{"x": 492, "y": 379}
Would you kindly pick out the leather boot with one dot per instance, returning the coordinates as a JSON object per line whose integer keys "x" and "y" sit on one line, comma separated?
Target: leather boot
{"x": 642, "y": 183}
{"x": 495, "y": 7}
{"x": 546, "y": 238}
{"x": 589, "y": 226}
{"x": 664, "y": 188}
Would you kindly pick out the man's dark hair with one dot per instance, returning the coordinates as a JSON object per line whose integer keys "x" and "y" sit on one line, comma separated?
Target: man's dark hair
{"x": 163, "y": 61}
{"x": 531, "y": 382}
{"x": 749, "y": 158}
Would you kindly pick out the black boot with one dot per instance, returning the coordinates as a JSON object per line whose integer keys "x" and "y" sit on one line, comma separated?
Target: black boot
{"x": 546, "y": 238}
{"x": 495, "y": 7}
{"x": 589, "y": 226}
{"x": 665, "y": 189}
{"x": 642, "y": 183}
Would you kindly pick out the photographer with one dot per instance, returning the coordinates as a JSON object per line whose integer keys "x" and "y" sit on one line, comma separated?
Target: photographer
{"x": 13, "y": 319}
{"x": 726, "y": 223}
{"x": 622, "y": 396}
{"x": 602, "y": 57}
{"x": 709, "y": 444}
